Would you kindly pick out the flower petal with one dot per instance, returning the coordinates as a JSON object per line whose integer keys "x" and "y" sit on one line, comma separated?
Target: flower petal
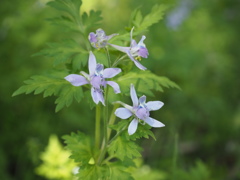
{"x": 138, "y": 64}
{"x": 76, "y": 80}
{"x": 123, "y": 113}
{"x": 153, "y": 122}
{"x": 92, "y": 37}
{"x": 111, "y": 72}
{"x": 111, "y": 36}
{"x": 97, "y": 95}
{"x": 114, "y": 85}
{"x": 154, "y": 105}
{"x": 120, "y": 48}
{"x": 96, "y": 82}
{"x": 125, "y": 105}
{"x": 142, "y": 99}
{"x": 133, "y": 95}
{"x": 132, "y": 126}
{"x": 92, "y": 63}
{"x": 131, "y": 34}
{"x": 143, "y": 52}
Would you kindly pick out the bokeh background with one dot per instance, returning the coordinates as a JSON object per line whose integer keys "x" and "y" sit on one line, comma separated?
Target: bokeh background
{"x": 196, "y": 45}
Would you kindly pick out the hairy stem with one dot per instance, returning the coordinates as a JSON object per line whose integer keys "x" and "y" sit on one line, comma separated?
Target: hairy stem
{"x": 97, "y": 126}
{"x": 112, "y": 119}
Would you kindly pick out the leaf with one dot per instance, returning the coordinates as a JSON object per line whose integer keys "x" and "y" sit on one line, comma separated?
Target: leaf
{"x": 142, "y": 131}
{"x": 91, "y": 20}
{"x": 80, "y": 146}
{"x": 118, "y": 172}
{"x": 52, "y": 84}
{"x": 153, "y": 17}
{"x": 145, "y": 82}
{"x": 122, "y": 148}
{"x": 71, "y": 7}
{"x": 63, "y": 51}
{"x": 91, "y": 172}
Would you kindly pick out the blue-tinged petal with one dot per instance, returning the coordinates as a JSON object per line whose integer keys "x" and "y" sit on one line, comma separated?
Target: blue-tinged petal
{"x": 154, "y": 105}
{"x": 138, "y": 64}
{"x": 120, "y": 48}
{"x": 123, "y": 113}
{"x": 76, "y": 80}
{"x": 114, "y": 85}
{"x": 143, "y": 52}
{"x": 142, "y": 99}
{"x": 133, "y": 43}
{"x": 142, "y": 113}
{"x": 153, "y": 122}
{"x": 92, "y": 63}
{"x": 111, "y": 72}
{"x": 92, "y": 37}
{"x": 96, "y": 82}
{"x": 97, "y": 95}
{"x": 141, "y": 43}
{"x": 133, "y": 96}
{"x": 132, "y": 126}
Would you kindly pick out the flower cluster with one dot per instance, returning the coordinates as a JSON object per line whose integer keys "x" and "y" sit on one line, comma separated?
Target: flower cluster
{"x": 140, "y": 111}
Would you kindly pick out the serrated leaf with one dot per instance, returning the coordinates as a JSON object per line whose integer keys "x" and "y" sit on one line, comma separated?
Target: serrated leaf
{"x": 67, "y": 95}
{"x": 80, "y": 146}
{"x": 52, "y": 84}
{"x": 145, "y": 82}
{"x": 122, "y": 148}
{"x": 65, "y": 23}
{"x": 71, "y": 7}
{"x": 153, "y": 17}
{"x": 63, "y": 51}
{"x": 118, "y": 172}
{"x": 92, "y": 19}
{"x": 91, "y": 172}
{"x": 142, "y": 131}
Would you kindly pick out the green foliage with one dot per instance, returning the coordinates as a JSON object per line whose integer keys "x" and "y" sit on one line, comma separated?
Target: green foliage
{"x": 52, "y": 84}
{"x": 56, "y": 163}
{"x": 64, "y": 51}
{"x": 93, "y": 19}
{"x": 81, "y": 148}
{"x": 123, "y": 148}
{"x": 143, "y": 23}
{"x": 145, "y": 82}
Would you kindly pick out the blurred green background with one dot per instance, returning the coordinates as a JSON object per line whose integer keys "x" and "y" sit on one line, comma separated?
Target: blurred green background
{"x": 196, "y": 45}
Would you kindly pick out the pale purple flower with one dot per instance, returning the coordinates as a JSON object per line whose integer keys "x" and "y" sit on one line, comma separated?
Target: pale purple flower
{"x": 96, "y": 78}
{"x": 140, "y": 111}
{"x": 135, "y": 51}
{"x": 99, "y": 40}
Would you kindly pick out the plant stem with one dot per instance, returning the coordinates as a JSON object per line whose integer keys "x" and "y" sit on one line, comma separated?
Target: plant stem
{"x": 175, "y": 152}
{"x": 112, "y": 119}
{"x": 108, "y": 56}
{"x": 97, "y": 126}
{"x": 118, "y": 60}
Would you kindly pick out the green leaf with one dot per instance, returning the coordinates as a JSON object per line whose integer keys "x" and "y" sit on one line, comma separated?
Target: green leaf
{"x": 52, "y": 84}
{"x": 81, "y": 148}
{"x": 143, "y": 23}
{"x": 118, "y": 172}
{"x": 142, "y": 131}
{"x": 144, "y": 82}
{"x": 63, "y": 51}
{"x": 122, "y": 148}
{"x": 71, "y": 7}
{"x": 91, "y": 20}
{"x": 91, "y": 172}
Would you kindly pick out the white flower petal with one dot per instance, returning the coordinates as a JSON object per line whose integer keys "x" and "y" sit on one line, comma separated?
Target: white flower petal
{"x": 115, "y": 86}
{"x": 138, "y": 64}
{"x": 133, "y": 95}
{"x": 132, "y": 126}
{"x": 123, "y": 113}
{"x": 76, "y": 80}
{"x": 111, "y": 72}
{"x": 120, "y": 48}
{"x": 154, "y": 105}
{"x": 153, "y": 122}
{"x": 92, "y": 63}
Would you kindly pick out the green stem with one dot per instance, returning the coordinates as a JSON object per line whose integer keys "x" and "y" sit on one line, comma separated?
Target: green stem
{"x": 118, "y": 61}
{"x": 112, "y": 119}
{"x": 97, "y": 126}
{"x": 115, "y": 137}
{"x": 175, "y": 152}
{"x": 108, "y": 56}
{"x": 105, "y": 130}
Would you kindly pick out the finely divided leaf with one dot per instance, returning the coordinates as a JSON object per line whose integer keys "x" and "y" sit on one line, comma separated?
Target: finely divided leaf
{"x": 63, "y": 51}
{"x": 80, "y": 146}
{"x": 92, "y": 19}
{"x": 123, "y": 148}
{"x": 145, "y": 82}
{"x": 52, "y": 84}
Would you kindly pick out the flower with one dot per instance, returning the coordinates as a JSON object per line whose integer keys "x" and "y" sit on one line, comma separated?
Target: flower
{"x": 135, "y": 51}
{"x": 140, "y": 111}
{"x": 99, "y": 40}
{"x": 96, "y": 78}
